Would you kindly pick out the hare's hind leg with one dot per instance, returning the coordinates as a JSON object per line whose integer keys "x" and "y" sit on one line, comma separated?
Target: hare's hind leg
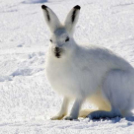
{"x": 63, "y": 111}
{"x": 116, "y": 88}
{"x": 105, "y": 110}
{"x": 99, "y": 101}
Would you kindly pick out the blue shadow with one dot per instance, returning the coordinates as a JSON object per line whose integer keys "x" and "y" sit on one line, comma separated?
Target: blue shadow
{"x": 34, "y": 1}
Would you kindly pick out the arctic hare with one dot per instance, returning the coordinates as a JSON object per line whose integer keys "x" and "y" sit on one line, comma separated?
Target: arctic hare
{"x": 80, "y": 72}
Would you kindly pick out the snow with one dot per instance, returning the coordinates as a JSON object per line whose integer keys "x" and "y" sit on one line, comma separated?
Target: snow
{"x": 26, "y": 100}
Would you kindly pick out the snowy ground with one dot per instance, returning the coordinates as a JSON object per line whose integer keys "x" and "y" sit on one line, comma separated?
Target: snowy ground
{"x": 26, "y": 100}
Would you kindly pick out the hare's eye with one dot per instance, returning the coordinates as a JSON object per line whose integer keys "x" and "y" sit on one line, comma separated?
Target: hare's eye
{"x": 67, "y": 39}
{"x": 51, "y": 40}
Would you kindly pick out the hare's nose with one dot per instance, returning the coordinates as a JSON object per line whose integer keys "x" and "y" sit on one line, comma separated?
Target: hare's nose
{"x": 57, "y": 49}
{"x": 57, "y": 52}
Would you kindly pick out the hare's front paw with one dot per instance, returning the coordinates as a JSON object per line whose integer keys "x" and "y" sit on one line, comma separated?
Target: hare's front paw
{"x": 71, "y": 118}
{"x": 57, "y": 117}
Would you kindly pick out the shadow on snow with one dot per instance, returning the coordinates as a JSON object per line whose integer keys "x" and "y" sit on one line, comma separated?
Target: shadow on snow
{"x": 34, "y": 1}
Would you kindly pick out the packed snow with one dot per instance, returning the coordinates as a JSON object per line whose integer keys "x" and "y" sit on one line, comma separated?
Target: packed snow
{"x": 26, "y": 99}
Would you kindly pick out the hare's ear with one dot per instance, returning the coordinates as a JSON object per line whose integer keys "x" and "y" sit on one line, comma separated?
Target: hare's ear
{"x": 72, "y": 18}
{"x": 51, "y": 18}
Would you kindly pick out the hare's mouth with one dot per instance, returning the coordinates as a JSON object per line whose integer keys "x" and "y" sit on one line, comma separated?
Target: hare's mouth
{"x": 58, "y": 55}
{"x": 58, "y": 52}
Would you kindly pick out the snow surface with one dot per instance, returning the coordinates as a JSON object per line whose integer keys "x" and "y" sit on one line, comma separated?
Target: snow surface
{"x": 26, "y": 100}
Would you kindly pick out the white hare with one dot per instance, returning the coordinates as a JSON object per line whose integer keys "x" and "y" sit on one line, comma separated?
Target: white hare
{"x": 82, "y": 73}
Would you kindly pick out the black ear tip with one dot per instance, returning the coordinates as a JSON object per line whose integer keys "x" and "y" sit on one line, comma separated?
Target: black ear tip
{"x": 44, "y": 7}
{"x": 77, "y": 7}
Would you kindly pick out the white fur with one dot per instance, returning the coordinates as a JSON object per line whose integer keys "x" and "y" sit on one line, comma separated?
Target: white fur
{"x": 81, "y": 72}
